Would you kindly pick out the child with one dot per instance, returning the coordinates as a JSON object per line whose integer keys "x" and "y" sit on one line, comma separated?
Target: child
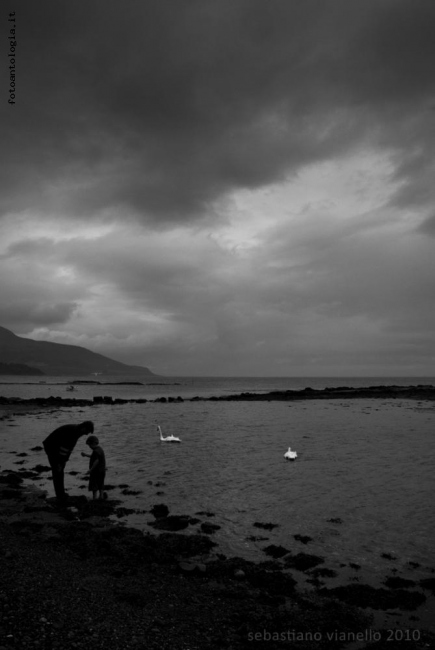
{"x": 97, "y": 467}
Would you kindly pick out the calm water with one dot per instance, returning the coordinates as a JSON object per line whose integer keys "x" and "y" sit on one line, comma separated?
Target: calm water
{"x": 367, "y": 462}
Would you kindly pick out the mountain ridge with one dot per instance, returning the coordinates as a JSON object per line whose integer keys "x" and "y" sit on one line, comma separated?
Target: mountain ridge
{"x": 60, "y": 358}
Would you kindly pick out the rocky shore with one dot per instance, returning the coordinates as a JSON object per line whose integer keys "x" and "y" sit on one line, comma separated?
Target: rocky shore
{"x": 73, "y": 578}
{"x": 421, "y": 392}
{"x": 77, "y": 578}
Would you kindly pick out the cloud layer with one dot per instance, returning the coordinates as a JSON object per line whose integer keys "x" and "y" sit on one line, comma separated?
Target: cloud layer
{"x": 224, "y": 186}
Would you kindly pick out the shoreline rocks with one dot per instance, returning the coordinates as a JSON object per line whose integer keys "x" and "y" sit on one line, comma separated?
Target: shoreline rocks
{"x": 420, "y": 391}
{"x": 73, "y": 578}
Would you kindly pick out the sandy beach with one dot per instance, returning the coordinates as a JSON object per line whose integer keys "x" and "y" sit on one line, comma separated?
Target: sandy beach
{"x": 72, "y": 579}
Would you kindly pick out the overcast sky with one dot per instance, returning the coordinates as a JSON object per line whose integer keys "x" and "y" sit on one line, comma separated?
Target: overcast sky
{"x": 223, "y": 187}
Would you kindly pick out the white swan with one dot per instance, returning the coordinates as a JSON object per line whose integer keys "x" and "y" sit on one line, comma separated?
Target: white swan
{"x": 290, "y": 455}
{"x": 168, "y": 438}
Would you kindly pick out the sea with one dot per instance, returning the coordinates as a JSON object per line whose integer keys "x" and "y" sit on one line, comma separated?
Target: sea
{"x": 360, "y": 492}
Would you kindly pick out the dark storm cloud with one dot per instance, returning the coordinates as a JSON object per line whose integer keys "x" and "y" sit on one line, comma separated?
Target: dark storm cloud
{"x": 37, "y": 314}
{"x": 162, "y": 107}
{"x": 428, "y": 226}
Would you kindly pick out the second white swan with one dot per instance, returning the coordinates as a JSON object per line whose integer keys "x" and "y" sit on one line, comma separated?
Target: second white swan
{"x": 168, "y": 438}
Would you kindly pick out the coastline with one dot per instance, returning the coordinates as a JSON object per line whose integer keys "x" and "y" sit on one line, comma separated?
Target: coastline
{"x": 419, "y": 392}
{"x": 73, "y": 578}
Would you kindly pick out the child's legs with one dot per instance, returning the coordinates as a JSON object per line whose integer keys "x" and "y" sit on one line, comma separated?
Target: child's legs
{"x": 101, "y": 485}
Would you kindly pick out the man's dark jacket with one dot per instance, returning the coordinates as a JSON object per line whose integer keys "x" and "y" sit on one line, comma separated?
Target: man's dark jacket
{"x": 61, "y": 442}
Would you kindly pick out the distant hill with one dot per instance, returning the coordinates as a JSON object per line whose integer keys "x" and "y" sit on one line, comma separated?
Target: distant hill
{"x": 18, "y": 369}
{"x": 58, "y": 359}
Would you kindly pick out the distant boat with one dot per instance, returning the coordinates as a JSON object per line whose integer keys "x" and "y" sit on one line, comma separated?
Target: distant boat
{"x": 290, "y": 455}
{"x": 168, "y": 438}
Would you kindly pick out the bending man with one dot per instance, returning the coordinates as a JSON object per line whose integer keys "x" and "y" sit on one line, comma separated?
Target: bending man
{"x": 58, "y": 447}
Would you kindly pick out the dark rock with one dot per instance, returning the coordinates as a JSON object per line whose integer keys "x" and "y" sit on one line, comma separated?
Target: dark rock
{"x": 266, "y": 526}
{"x": 323, "y": 573}
{"x": 208, "y": 528}
{"x": 11, "y": 479}
{"x": 398, "y": 583}
{"x": 192, "y": 568}
{"x": 41, "y": 468}
{"x": 276, "y": 551}
{"x": 193, "y": 521}
{"x": 428, "y": 583}
{"x": 303, "y": 561}
{"x": 316, "y": 582}
{"x": 26, "y": 474}
{"x": 188, "y": 568}
{"x": 171, "y": 522}
{"x": 12, "y": 494}
{"x": 123, "y": 512}
{"x": 303, "y": 538}
{"x": 160, "y": 510}
{"x": 96, "y": 507}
